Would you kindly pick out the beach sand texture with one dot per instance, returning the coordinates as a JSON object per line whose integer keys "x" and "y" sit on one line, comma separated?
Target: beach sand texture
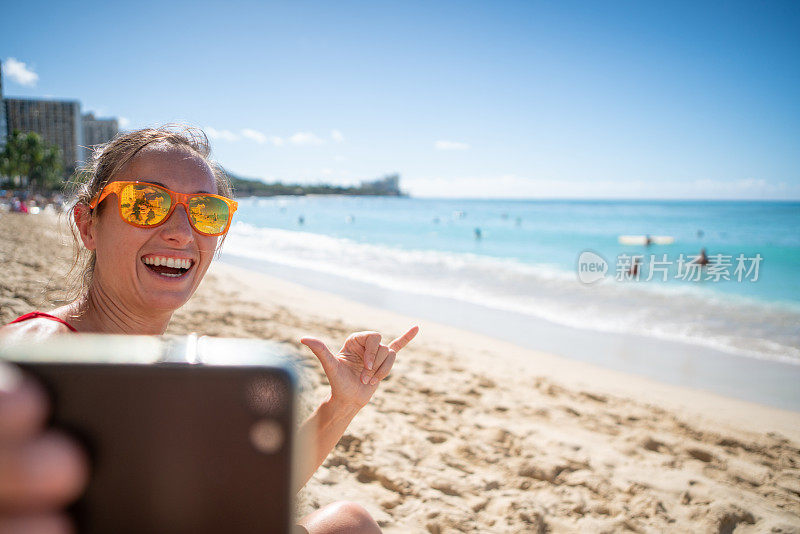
{"x": 471, "y": 434}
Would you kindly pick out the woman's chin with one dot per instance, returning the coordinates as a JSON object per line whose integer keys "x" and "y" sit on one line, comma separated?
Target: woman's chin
{"x": 164, "y": 292}
{"x": 166, "y": 303}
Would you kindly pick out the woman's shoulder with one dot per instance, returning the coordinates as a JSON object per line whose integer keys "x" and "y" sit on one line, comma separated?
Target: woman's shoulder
{"x": 33, "y": 329}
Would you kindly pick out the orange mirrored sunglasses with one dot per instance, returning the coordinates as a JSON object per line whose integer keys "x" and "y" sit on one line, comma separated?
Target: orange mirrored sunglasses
{"x": 147, "y": 205}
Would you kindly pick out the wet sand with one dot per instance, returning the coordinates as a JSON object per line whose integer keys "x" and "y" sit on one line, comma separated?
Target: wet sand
{"x": 473, "y": 434}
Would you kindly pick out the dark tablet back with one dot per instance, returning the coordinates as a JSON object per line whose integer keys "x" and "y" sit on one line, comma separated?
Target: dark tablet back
{"x": 185, "y": 435}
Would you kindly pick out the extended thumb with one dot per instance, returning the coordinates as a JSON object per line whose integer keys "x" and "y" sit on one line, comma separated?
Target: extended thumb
{"x": 319, "y": 349}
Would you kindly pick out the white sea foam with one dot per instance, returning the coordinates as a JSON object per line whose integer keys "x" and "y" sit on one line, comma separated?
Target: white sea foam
{"x": 732, "y": 324}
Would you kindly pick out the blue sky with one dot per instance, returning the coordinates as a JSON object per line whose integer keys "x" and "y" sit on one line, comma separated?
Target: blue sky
{"x": 488, "y": 99}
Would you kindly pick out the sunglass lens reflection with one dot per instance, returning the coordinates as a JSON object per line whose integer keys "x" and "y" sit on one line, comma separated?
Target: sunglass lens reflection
{"x": 143, "y": 204}
{"x": 208, "y": 214}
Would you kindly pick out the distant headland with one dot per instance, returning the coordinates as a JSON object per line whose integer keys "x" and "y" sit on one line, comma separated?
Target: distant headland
{"x": 387, "y": 186}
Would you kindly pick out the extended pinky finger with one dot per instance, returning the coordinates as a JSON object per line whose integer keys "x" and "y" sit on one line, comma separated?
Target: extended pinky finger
{"x": 383, "y": 370}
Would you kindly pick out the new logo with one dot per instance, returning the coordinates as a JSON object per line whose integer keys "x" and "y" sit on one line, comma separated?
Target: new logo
{"x": 591, "y": 267}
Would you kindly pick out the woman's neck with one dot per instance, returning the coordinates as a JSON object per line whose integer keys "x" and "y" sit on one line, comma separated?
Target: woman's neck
{"x": 99, "y": 313}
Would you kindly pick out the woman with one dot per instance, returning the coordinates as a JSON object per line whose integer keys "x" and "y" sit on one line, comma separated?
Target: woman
{"x": 150, "y": 215}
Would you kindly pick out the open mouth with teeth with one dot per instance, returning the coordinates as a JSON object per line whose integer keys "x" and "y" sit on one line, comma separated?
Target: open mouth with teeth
{"x": 168, "y": 267}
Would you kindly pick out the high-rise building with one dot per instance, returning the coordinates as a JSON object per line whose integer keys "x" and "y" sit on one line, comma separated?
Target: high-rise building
{"x": 58, "y": 122}
{"x": 98, "y": 131}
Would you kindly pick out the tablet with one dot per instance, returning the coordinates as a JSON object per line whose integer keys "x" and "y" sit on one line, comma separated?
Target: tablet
{"x": 185, "y": 434}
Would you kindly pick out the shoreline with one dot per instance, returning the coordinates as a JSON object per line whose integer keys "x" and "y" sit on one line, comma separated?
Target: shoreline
{"x": 530, "y": 268}
{"x": 767, "y": 382}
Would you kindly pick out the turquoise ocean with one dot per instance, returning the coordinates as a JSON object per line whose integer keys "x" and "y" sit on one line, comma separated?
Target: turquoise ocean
{"x": 524, "y": 260}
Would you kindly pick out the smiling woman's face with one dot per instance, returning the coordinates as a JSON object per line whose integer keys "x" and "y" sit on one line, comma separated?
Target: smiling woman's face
{"x": 127, "y": 257}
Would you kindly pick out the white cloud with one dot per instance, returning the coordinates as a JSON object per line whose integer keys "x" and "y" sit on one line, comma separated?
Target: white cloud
{"x": 19, "y": 72}
{"x": 124, "y": 122}
{"x": 261, "y": 138}
{"x": 305, "y": 139}
{"x": 224, "y": 135}
{"x": 299, "y": 138}
{"x": 337, "y": 136}
{"x": 254, "y": 135}
{"x": 450, "y": 145}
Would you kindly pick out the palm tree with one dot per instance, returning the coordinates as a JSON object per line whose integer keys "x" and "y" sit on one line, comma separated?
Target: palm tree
{"x": 29, "y": 161}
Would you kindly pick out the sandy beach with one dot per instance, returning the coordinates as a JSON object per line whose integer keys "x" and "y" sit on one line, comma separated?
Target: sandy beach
{"x": 473, "y": 434}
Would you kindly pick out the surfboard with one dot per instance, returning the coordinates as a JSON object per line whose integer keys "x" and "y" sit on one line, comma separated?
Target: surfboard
{"x": 642, "y": 239}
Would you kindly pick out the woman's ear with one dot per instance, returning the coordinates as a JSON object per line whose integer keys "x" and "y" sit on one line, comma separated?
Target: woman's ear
{"x": 82, "y": 214}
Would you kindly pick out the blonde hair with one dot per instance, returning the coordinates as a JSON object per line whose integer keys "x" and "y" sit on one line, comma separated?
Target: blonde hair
{"x": 109, "y": 159}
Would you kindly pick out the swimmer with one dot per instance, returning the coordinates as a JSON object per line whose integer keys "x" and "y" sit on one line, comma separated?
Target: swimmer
{"x": 702, "y": 258}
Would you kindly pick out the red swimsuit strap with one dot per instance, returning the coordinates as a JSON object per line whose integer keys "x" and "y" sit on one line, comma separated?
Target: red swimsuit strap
{"x": 38, "y": 314}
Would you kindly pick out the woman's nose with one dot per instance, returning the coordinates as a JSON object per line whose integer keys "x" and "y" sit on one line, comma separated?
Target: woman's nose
{"x": 177, "y": 228}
